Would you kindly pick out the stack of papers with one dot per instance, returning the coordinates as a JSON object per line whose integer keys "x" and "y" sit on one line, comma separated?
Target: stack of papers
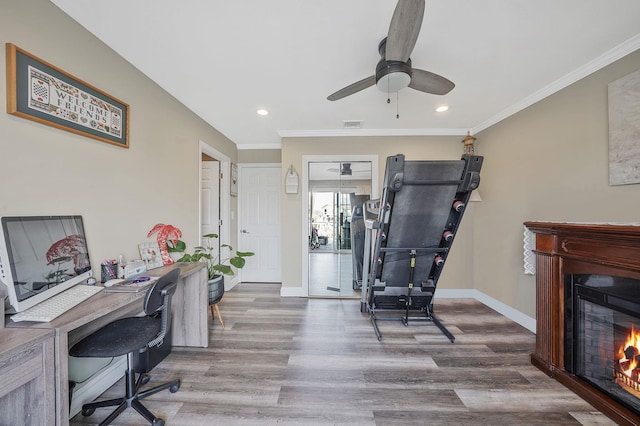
{"x": 132, "y": 285}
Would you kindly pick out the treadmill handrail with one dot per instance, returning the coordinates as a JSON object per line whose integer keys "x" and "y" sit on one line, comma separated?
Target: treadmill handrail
{"x": 432, "y": 182}
{"x": 421, "y": 250}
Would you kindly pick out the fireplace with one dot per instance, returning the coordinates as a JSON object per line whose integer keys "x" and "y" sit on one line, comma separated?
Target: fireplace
{"x": 588, "y": 312}
{"x": 602, "y": 334}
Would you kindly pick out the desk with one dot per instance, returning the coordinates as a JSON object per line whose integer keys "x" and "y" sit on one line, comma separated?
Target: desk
{"x": 27, "y": 377}
{"x": 189, "y": 310}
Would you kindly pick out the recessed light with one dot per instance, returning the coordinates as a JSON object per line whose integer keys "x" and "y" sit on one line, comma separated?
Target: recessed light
{"x": 262, "y": 112}
{"x": 442, "y": 108}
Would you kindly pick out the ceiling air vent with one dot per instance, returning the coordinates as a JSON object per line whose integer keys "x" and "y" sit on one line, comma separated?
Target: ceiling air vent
{"x": 352, "y": 124}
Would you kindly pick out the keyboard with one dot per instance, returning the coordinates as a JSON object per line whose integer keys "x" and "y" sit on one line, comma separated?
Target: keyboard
{"x": 52, "y": 308}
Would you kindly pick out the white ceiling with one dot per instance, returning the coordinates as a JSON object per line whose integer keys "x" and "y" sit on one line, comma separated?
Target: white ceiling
{"x": 226, "y": 59}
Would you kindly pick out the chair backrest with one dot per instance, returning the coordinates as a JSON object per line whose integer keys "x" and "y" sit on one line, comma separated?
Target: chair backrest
{"x": 158, "y": 298}
{"x": 154, "y": 298}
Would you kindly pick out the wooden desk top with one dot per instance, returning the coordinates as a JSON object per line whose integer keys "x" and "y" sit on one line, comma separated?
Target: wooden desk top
{"x": 103, "y": 308}
{"x": 100, "y": 306}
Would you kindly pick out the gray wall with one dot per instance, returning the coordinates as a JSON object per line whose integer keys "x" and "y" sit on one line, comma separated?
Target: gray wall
{"x": 457, "y": 274}
{"x": 547, "y": 163}
{"x": 121, "y": 193}
{"x": 259, "y": 156}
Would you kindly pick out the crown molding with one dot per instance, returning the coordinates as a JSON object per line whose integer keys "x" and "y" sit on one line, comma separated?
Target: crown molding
{"x": 259, "y": 146}
{"x": 620, "y": 51}
{"x": 371, "y": 132}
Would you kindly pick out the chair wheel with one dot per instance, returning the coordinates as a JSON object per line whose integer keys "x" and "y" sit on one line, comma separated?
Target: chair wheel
{"x": 88, "y": 411}
{"x": 157, "y": 422}
{"x": 145, "y": 379}
{"x": 174, "y": 388}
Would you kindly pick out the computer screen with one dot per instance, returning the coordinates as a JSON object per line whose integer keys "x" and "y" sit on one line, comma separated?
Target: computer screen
{"x": 41, "y": 256}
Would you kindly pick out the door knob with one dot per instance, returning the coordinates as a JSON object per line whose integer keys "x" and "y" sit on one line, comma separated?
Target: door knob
{"x": 244, "y": 231}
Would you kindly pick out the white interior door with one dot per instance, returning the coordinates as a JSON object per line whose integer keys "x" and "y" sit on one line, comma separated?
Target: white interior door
{"x": 260, "y": 231}
{"x": 210, "y": 207}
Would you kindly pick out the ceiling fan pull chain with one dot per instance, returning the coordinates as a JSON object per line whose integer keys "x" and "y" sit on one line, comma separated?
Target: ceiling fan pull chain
{"x": 397, "y": 105}
{"x": 388, "y": 90}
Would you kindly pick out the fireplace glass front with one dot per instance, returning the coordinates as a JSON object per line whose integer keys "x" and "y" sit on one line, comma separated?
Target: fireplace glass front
{"x": 602, "y": 330}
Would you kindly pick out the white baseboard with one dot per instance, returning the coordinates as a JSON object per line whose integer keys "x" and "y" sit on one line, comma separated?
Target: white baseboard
{"x": 293, "y": 292}
{"x": 89, "y": 390}
{"x": 506, "y": 310}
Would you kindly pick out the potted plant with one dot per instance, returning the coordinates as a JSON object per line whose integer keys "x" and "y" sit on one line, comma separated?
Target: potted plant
{"x": 216, "y": 265}
{"x": 176, "y": 249}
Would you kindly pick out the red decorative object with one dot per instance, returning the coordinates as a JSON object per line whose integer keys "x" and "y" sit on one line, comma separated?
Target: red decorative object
{"x": 66, "y": 247}
{"x": 165, "y": 233}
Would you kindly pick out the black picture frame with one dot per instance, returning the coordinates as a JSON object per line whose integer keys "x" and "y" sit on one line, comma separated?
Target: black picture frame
{"x": 39, "y": 91}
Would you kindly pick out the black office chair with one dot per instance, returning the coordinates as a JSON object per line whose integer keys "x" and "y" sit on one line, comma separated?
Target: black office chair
{"x": 128, "y": 336}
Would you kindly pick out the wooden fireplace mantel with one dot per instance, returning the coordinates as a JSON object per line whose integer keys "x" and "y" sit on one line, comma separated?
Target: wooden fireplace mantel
{"x": 571, "y": 248}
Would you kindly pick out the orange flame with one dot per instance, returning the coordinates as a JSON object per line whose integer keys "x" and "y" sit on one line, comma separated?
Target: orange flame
{"x": 633, "y": 340}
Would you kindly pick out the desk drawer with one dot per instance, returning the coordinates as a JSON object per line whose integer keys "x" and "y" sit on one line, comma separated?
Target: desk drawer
{"x": 27, "y": 394}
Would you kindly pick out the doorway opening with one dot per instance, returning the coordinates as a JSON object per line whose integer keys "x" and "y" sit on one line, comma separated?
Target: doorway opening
{"x": 210, "y": 195}
{"x": 214, "y": 200}
{"x": 334, "y": 187}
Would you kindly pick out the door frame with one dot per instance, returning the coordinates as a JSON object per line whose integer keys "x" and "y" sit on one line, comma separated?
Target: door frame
{"x": 225, "y": 197}
{"x": 306, "y": 159}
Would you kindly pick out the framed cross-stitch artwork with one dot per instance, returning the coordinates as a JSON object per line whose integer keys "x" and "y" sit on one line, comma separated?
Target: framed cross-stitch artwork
{"x": 39, "y": 91}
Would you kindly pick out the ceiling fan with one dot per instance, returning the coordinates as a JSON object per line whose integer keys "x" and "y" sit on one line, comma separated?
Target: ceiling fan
{"x": 394, "y": 71}
{"x": 345, "y": 169}
{"x": 360, "y": 171}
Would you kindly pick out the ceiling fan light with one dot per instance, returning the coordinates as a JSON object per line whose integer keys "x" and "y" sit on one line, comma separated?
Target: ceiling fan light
{"x": 393, "y": 82}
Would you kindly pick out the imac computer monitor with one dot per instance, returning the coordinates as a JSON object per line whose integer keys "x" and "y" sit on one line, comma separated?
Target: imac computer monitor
{"x": 41, "y": 256}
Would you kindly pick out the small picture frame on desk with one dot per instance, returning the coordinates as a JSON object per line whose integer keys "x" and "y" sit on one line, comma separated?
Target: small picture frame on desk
{"x": 150, "y": 253}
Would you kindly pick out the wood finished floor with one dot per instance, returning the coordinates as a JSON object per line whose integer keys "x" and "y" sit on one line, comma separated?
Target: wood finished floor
{"x": 294, "y": 361}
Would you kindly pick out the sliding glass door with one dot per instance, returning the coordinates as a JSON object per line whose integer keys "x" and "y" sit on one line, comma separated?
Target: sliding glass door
{"x": 335, "y": 189}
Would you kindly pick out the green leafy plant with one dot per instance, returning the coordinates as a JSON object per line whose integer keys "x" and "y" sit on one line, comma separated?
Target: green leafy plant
{"x": 216, "y": 265}
{"x": 178, "y": 246}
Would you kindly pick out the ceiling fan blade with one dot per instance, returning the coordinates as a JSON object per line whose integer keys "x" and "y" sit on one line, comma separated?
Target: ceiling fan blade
{"x": 429, "y": 82}
{"x": 353, "y": 88}
{"x": 404, "y": 29}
